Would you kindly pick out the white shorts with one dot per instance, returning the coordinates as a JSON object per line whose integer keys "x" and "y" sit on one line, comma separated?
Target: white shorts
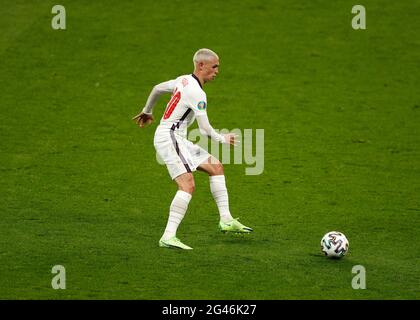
{"x": 179, "y": 154}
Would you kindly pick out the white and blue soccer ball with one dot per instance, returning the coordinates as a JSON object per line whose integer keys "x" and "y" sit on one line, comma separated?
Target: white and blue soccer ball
{"x": 334, "y": 244}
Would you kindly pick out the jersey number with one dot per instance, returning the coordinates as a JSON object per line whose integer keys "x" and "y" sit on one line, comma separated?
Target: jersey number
{"x": 172, "y": 104}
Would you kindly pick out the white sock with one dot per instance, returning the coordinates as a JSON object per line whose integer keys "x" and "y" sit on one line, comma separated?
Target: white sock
{"x": 220, "y": 195}
{"x": 177, "y": 211}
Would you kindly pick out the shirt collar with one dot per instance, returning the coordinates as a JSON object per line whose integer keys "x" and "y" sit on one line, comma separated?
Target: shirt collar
{"x": 195, "y": 77}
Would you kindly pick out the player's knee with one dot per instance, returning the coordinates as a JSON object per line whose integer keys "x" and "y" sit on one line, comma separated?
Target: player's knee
{"x": 218, "y": 169}
{"x": 188, "y": 185}
{"x": 189, "y": 188}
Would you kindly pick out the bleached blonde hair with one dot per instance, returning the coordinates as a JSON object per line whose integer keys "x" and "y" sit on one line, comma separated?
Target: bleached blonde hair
{"x": 204, "y": 55}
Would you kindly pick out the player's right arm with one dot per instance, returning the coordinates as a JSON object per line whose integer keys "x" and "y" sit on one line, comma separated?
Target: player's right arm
{"x": 198, "y": 103}
{"x": 145, "y": 116}
{"x": 207, "y": 130}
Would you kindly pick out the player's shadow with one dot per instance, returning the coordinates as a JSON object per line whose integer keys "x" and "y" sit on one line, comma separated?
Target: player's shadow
{"x": 241, "y": 239}
{"x": 321, "y": 258}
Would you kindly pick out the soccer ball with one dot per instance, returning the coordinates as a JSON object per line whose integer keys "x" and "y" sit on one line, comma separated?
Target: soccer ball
{"x": 334, "y": 244}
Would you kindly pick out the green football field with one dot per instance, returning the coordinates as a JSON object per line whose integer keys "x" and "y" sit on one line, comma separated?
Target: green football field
{"x": 81, "y": 187}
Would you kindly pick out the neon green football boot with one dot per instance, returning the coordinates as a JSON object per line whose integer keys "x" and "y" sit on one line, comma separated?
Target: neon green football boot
{"x": 234, "y": 226}
{"x": 173, "y": 243}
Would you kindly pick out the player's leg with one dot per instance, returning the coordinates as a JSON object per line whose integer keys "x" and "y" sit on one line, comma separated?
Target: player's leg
{"x": 177, "y": 159}
{"x": 185, "y": 182}
{"x": 177, "y": 211}
{"x": 217, "y": 180}
{"x": 214, "y": 169}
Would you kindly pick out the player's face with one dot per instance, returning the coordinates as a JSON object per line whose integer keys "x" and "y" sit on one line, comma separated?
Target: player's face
{"x": 210, "y": 69}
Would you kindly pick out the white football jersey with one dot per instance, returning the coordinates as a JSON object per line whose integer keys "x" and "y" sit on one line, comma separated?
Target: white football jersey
{"x": 187, "y": 101}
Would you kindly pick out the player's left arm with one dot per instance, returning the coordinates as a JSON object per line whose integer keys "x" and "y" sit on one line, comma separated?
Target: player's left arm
{"x": 145, "y": 117}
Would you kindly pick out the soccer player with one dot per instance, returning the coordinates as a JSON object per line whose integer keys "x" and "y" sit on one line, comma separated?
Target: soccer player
{"x": 181, "y": 156}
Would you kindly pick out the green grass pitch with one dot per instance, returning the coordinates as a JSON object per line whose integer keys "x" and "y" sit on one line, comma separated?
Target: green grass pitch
{"x": 80, "y": 186}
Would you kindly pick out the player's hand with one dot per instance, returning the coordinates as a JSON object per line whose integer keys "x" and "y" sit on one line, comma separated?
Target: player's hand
{"x": 232, "y": 138}
{"x": 143, "y": 119}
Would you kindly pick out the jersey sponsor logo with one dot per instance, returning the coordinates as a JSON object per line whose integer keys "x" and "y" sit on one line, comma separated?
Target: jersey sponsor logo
{"x": 201, "y": 105}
